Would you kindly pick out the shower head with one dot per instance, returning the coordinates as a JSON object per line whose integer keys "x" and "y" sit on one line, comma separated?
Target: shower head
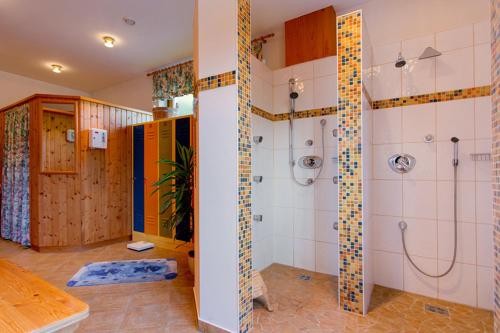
{"x": 323, "y": 122}
{"x": 400, "y": 62}
{"x": 455, "y": 151}
{"x": 292, "y": 85}
{"x": 429, "y": 52}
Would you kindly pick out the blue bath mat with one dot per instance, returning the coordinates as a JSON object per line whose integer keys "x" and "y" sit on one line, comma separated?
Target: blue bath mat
{"x": 126, "y": 271}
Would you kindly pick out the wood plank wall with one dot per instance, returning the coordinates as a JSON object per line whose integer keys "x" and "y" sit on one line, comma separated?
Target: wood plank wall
{"x": 93, "y": 205}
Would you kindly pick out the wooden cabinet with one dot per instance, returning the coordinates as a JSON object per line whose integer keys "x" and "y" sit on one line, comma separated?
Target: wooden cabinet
{"x": 312, "y": 36}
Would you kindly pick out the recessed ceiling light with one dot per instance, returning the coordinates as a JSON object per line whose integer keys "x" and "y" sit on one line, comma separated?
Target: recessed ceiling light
{"x": 108, "y": 41}
{"x": 56, "y": 68}
{"x": 128, "y": 21}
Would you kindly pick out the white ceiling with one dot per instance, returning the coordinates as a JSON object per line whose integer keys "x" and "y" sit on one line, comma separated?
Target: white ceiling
{"x": 36, "y": 34}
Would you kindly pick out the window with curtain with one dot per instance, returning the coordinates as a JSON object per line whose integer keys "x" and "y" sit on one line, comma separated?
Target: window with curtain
{"x": 174, "y": 84}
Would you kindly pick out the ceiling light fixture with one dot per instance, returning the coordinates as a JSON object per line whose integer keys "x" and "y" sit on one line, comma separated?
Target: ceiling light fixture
{"x": 56, "y": 68}
{"x": 108, "y": 41}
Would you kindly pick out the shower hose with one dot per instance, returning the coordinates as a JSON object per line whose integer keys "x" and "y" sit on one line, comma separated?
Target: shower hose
{"x": 310, "y": 181}
{"x": 403, "y": 226}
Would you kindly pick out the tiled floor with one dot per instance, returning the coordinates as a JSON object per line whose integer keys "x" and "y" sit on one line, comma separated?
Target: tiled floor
{"x": 299, "y": 306}
{"x": 152, "y": 307}
{"x": 311, "y": 306}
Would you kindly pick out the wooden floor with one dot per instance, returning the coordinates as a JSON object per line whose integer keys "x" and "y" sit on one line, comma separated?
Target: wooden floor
{"x": 166, "y": 306}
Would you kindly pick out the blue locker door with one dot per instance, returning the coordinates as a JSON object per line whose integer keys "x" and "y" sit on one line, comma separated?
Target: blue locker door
{"x": 139, "y": 178}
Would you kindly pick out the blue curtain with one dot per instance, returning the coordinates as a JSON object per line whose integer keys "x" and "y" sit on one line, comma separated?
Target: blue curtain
{"x": 15, "y": 216}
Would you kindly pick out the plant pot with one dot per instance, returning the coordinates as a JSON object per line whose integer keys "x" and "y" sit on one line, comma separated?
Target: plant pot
{"x": 191, "y": 261}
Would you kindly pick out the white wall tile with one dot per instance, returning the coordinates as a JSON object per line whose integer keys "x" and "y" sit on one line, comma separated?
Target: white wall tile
{"x": 330, "y": 163}
{"x": 484, "y": 203}
{"x": 483, "y": 168}
{"x": 466, "y": 193}
{"x": 326, "y": 196}
{"x": 455, "y": 70}
{"x": 303, "y": 196}
{"x": 283, "y": 193}
{"x": 416, "y": 282}
{"x": 413, "y": 48}
{"x": 283, "y": 221}
{"x": 386, "y": 235}
{"x": 425, "y": 154}
{"x": 381, "y": 154}
{"x": 485, "y": 250}
{"x": 280, "y": 134}
{"x": 260, "y": 69}
{"x": 455, "y": 118}
{"x": 419, "y": 199}
{"x": 466, "y": 251}
{"x": 455, "y": 39}
{"x": 418, "y": 121}
{"x": 482, "y": 32}
{"x": 282, "y": 76}
{"x": 325, "y": 91}
{"x": 388, "y": 269}
{"x": 325, "y": 66}
{"x": 456, "y": 286}
{"x": 419, "y": 77}
{"x": 281, "y": 164}
{"x": 483, "y": 117}
{"x": 303, "y": 71}
{"x": 387, "y": 126}
{"x": 466, "y": 167}
{"x": 384, "y": 54}
{"x": 303, "y": 130}
{"x": 283, "y": 250}
{"x": 331, "y": 124}
{"x": 387, "y": 198}
{"x": 485, "y": 287}
{"x": 482, "y": 65}
{"x": 305, "y": 101}
{"x": 281, "y": 103}
{"x": 325, "y": 231}
{"x": 327, "y": 258}
{"x": 386, "y": 81}
{"x": 304, "y": 254}
{"x": 421, "y": 237}
{"x": 304, "y": 224}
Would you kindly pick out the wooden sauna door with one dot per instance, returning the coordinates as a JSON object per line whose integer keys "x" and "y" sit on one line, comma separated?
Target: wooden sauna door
{"x": 151, "y": 170}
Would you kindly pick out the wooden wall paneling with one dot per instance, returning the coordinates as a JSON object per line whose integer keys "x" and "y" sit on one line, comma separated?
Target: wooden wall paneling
{"x": 57, "y": 153}
{"x": 151, "y": 176}
{"x": 113, "y": 173}
{"x": 129, "y": 176}
{"x": 311, "y": 36}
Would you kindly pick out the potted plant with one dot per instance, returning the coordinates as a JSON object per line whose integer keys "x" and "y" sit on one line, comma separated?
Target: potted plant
{"x": 178, "y": 196}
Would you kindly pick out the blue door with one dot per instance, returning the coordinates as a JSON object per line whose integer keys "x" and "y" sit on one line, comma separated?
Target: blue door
{"x": 139, "y": 178}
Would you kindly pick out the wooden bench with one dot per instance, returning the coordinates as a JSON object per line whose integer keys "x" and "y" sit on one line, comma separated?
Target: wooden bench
{"x": 30, "y": 304}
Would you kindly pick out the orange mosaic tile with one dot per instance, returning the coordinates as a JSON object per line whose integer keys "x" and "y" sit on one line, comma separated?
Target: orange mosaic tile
{"x": 216, "y": 81}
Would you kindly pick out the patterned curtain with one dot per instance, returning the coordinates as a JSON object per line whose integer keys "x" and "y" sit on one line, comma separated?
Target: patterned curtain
{"x": 15, "y": 216}
{"x": 173, "y": 82}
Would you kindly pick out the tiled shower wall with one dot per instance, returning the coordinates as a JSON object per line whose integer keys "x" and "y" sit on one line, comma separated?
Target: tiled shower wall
{"x": 298, "y": 222}
{"x": 424, "y": 197}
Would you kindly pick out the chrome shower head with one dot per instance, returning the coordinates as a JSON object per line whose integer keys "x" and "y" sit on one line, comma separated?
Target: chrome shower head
{"x": 429, "y": 52}
{"x": 292, "y": 85}
{"x": 400, "y": 62}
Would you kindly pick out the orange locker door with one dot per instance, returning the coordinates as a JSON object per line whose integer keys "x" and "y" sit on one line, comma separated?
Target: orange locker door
{"x": 151, "y": 204}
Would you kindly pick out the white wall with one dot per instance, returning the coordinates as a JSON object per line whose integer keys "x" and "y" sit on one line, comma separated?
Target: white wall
{"x": 14, "y": 87}
{"x": 424, "y": 197}
{"x": 135, "y": 93}
{"x": 302, "y": 218}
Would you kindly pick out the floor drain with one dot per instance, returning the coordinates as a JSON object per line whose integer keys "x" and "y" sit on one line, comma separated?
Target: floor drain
{"x": 437, "y": 309}
{"x": 304, "y": 277}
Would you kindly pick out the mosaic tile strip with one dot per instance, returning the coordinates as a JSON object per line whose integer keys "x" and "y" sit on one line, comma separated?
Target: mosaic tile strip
{"x": 350, "y": 172}
{"x": 300, "y": 114}
{"x": 495, "y": 103}
{"x": 217, "y": 81}
{"x": 442, "y": 96}
{"x": 244, "y": 169}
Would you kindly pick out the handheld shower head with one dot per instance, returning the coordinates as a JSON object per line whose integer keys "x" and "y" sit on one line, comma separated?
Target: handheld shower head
{"x": 455, "y": 150}
{"x": 292, "y": 86}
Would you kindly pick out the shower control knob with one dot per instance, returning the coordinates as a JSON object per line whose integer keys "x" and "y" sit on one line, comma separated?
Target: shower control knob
{"x": 335, "y": 226}
{"x": 309, "y": 143}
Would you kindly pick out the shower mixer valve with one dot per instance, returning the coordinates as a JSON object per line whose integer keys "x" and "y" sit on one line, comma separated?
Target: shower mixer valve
{"x": 402, "y": 163}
